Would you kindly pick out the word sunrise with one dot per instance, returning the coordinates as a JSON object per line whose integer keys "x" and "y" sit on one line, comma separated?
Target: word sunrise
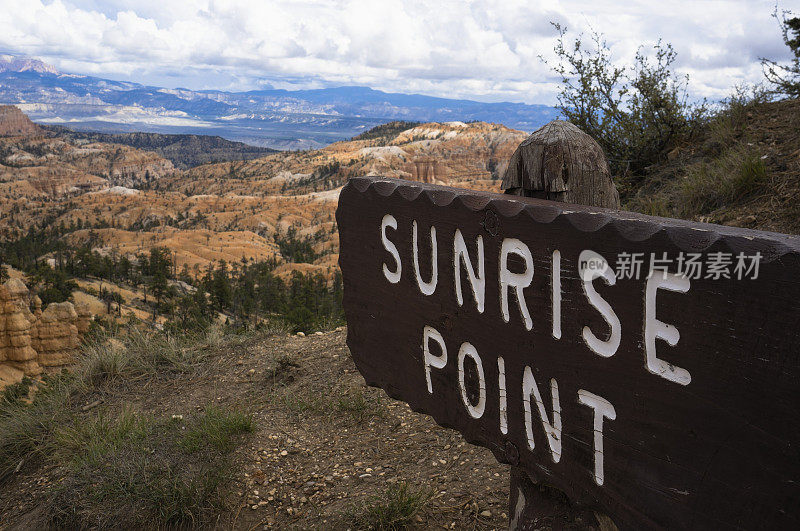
{"x": 665, "y": 401}
{"x": 511, "y": 284}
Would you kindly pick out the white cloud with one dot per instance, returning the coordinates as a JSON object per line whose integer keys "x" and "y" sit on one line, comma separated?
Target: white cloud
{"x": 484, "y": 49}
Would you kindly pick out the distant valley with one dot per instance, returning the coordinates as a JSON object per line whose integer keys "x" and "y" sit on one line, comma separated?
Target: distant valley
{"x": 124, "y": 199}
{"x": 272, "y": 118}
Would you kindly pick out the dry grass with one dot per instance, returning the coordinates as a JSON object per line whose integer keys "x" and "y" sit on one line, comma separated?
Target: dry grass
{"x": 121, "y": 468}
{"x": 742, "y": 171}
{"x": 132, "y": 471}
{"x": 329, "y": 401}
{"x": 734, "y": 176}
{"x": 392, "y": 510}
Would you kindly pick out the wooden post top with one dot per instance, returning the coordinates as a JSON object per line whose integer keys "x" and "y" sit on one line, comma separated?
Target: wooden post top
{"x": 561, "y": 163}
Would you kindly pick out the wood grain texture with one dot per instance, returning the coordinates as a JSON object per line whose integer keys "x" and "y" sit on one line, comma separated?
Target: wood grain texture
{"x": 719, "y": 452}
{"x": 560, "y": 162}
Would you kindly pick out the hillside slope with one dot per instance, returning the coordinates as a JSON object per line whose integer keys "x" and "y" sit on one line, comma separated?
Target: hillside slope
{"x": 37, "y": 166}
{"x": 184, "y": 151}
{"x": 742, "y": 170}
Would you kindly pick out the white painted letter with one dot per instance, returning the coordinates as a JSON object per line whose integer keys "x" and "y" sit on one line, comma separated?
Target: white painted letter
{"x": 427, "y": 288}
{"x": 501, "y": 384}
{"x": 553, "y": 430}
{"x": 438, "y": 362}
{"x": 518, "y": 280}
{"x": 591, "y": 266}
{"x": 602, "y": 408}
{"x": 655, "y": 329}
{"x": 477, "y": 282}
{"x": 475, "y": 411}
{"x": 556, "y": 286}
{"x": 391, "y": 276}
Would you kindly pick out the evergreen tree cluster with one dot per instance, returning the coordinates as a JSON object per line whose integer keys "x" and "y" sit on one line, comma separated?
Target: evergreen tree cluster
{"x": 249, "y": 292}
{"x": 240, "y": 293}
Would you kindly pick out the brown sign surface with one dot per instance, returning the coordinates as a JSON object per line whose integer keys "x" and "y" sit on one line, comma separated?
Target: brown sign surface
{"x": 666, "y": 396}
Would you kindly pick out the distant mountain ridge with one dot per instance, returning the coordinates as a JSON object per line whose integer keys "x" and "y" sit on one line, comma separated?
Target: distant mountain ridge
{"x": 274, "y": 118}
{"x": 184, "y": 151}
{"x": 17, "y": 63}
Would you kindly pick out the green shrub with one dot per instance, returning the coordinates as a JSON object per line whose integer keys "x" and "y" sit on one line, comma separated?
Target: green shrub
{"x": 14, "y": 393}
{"x": 27, "y": 430}
{"x": 785, "y": 77}
{"x": 216, "y": 428}
{"x": 637, "y": 113}
{"x": 355, "y": 402}
{"x": 729, "y": 121}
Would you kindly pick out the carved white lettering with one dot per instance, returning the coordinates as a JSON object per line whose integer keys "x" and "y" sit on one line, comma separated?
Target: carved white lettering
{"x": 392, "y": 276}
{"x": 476, "y": 282}
{"x": 519, "y": 281}
{"x": 427, "y": 288}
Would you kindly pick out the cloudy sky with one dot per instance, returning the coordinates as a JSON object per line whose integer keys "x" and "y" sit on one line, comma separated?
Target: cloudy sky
{"x": 484, "y": 49}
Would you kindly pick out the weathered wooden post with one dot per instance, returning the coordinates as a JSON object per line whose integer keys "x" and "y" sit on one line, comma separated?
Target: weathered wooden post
{"x": 558, "y": 162}
{"x": 648, "y": 368}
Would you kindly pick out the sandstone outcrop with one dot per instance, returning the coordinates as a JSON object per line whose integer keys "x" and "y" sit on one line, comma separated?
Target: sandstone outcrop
{"x": 15, "y": 329}
{"x": 13, "y": 122}
{"x": 31, "y": 340}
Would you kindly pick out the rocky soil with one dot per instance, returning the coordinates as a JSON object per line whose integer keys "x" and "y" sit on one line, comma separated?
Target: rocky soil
{"x": 323, "y": 444}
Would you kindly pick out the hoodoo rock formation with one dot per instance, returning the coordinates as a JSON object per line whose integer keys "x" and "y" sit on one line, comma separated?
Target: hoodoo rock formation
{"x": 426, "y": 170}
{"x": 31, "y": 340}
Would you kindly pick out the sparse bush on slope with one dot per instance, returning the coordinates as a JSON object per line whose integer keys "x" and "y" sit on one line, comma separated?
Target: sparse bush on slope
{"x": 637, "y": 113}
{"x": 785, "y": 78}
{"x": 735, "y": 175}
{"x": 739, "y": 171}
{"x": 385, "y": 132}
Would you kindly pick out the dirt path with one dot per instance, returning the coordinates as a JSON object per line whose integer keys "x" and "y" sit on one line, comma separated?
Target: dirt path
{"x": 325, "y": 442}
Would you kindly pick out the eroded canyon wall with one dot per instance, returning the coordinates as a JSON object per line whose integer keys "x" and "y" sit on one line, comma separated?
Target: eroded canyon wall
{"x": 32, "y": 339}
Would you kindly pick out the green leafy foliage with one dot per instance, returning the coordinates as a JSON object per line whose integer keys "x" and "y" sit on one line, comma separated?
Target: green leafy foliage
{"x": 14, "y": 393}
{"x": 295, "y": 248}
{"x": 785, "y": 77}
{"x": 251, "y": 291}
{"x": 637, "y": 113}
{"x": 52, "y": 285}
{"x": 247, "y": 292}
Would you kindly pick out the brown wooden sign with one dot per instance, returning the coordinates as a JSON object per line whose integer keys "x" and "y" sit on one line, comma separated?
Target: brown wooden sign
{"x": 648, "y": 367}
